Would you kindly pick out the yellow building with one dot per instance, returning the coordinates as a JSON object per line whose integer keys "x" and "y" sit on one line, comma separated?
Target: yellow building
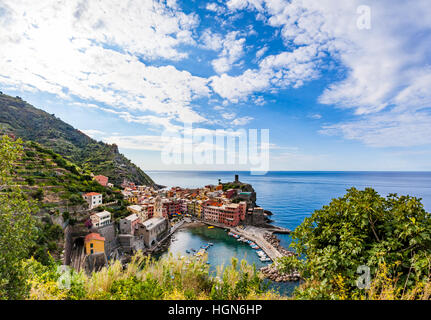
{"x": 191, "y": 208}
{"x": 133, "y": 199}
{"x": 94, "y": 243}
{"x": 198, "y": 208}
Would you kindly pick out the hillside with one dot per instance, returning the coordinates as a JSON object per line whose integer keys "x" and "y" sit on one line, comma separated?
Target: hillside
{"x": 55, "y": 182}
{"x": 27, "y": 122}
{"x": 53, "y": 187}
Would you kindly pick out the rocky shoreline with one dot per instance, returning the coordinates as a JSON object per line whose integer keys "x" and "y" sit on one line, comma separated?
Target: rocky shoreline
{"x": 275, "y": 242}
{"x": 271, "y": 271}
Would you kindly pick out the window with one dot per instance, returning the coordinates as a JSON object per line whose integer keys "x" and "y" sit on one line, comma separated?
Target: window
{"x": 91, "y": 251}
{"x": 91, "y": 245}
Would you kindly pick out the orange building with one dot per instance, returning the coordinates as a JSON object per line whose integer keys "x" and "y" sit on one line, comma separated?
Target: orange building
{"x": 94, "y": 243}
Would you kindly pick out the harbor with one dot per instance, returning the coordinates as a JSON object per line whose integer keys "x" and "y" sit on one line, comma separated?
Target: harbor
{"x": 256, "y": 236}
{"x": 188, "y": 241}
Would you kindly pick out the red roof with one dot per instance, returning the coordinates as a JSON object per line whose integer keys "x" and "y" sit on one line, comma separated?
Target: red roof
{"x": 92, "y": 194}
{"x": 94, "y": 236}
{"x": 102, "y": 180}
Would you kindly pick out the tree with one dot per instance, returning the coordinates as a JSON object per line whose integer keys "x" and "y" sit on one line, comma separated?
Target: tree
{"x": 361, "y": 229}
{"x": 17, "y": 226}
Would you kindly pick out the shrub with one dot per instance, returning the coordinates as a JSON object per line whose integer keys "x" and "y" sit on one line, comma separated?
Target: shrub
{"x": 146, "y": 278}
{"x": 361, "y": 228}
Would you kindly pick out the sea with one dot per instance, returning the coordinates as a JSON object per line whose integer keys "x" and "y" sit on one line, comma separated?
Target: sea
{"x": 290, "y": 196}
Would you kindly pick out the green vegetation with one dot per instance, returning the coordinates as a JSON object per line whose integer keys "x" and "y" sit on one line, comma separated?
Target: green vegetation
{"x": 235, "y": 185}
{"x": 17, "y": 226}
{"x": 23, "y": 120}
{"x": 52, "y": 180}
{"x": 145, "y": 278}
{"x": 391, "y": 236}
{"x": 51, "y": 184}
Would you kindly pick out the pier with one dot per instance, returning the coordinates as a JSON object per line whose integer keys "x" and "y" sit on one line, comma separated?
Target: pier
{"x": 254, "y": 234}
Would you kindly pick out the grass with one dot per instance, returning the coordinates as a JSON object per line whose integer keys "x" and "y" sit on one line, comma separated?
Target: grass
{"x": 146, "y": 278}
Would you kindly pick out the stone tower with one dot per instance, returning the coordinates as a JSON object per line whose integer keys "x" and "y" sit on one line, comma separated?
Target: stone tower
{"x": 158, "y": 208}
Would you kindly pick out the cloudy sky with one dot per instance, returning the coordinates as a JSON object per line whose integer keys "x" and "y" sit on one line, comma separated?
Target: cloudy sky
{"x": 334, "y": 94}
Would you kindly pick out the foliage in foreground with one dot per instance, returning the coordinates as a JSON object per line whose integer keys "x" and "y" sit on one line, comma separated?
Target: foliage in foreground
{"x": 17, "y": 226}
{"x": 391, "y": 236}
{"x": 148, "y": 279}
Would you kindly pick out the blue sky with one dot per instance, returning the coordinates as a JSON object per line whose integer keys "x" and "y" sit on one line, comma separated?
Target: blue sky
{"x": 334, "y": 95}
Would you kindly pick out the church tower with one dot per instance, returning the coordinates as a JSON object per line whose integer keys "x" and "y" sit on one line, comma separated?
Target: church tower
{"x": 158, "y": 208}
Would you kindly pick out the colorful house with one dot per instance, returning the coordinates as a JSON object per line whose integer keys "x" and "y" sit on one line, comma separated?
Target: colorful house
{"x": 93, "y": 199}
{"x": 102, "y": 180}
{"x": 101, "y": 219}
{"x": 94, "y": 243}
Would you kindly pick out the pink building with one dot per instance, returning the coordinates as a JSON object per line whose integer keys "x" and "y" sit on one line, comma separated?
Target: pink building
{"x": 229, "y": 214}
{"x": 230, "y": 193}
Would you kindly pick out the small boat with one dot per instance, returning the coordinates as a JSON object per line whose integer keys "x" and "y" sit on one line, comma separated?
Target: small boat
{"x": 210, "y": 243}
{"x": 187, "y": 251}
{"x": 200, "y": 253}
{"x": 193, "y": 250}
{"x": 210, "y": 227}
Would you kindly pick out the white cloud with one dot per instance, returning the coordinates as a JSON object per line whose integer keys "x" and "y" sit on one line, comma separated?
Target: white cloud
{"x": 241, "y": 121}
{"x": 228, "y": 116}
{"x": 102, "y": 53}
{"x": 214, "y": 7}
{"x": 387, "y": 71}
{"x": 232, "y": 51}
{"x": 93, "y": 133}
{"x": 261, "y": 52}
{"x": 275, "y": 71}
{"x": 211, "y": 41}
{"x": 64, "y": 48}
{"x": 259, "y": 101}
{"x": 315, "y": 116}
{"x": 387, "y": 129}
{"x": 142, "y": 142}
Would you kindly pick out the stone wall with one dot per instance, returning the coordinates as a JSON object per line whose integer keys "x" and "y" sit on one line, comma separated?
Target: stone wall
{"x": 108, "y": 232}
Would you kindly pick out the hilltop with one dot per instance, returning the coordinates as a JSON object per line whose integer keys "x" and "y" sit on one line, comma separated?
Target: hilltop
{"x": 21, "y": 119}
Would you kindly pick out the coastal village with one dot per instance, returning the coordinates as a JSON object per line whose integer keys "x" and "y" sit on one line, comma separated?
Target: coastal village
{"x": 155, "y": 214}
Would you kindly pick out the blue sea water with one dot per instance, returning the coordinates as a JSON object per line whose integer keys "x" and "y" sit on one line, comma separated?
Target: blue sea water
{"x": 292, "y": 196}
